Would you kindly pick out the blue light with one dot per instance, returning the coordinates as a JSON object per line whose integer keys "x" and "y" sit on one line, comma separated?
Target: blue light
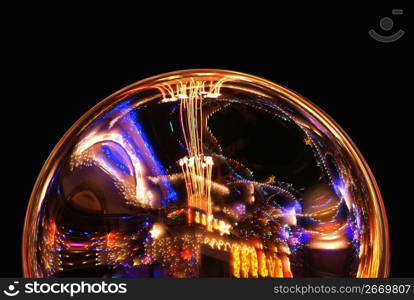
{"x": 349, "y": 232}
{"x": 158, "y": 169}
{"x": 157, "y": 273}
{"x": 113, "y": 157}
{"x": 304, "y": 237}
{"x": 123, "y": 106}
{"x": 134, "y": 135}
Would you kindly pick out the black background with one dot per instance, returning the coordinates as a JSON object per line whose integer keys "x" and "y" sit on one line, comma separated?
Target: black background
{"x": 65, "y": 60}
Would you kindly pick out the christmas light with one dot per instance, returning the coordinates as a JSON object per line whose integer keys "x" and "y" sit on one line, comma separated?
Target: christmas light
{"x": 157, "y": 230}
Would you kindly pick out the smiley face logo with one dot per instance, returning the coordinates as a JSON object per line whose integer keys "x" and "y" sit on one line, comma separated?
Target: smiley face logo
{"x": 386, "y": 25}
{"x": 11, "y": 290}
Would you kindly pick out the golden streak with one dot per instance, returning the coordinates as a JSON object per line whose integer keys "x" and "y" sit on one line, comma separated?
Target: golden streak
{"x": 196, "y": 167}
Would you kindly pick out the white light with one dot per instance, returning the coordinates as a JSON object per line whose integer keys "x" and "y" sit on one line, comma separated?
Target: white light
{"x": 224, "y": 228}
{"x": 157, "y": 230}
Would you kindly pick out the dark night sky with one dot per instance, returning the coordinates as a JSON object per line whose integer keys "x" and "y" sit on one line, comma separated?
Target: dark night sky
{"x": 63, "y": 65}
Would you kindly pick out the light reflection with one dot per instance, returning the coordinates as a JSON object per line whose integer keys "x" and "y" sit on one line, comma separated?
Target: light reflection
{"x": 185, "y": 172}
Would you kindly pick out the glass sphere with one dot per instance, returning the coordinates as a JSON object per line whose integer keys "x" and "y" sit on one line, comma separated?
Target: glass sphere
{"x": 205, "y": 173}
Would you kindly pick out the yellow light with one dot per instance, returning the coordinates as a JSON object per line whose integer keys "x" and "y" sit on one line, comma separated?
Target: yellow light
{"x": 235, "y": 261}
{"x": 245, "y": 262}
{"x": 136, "y": 262}
{"x": 253, "y": 263}
{"x": 262, "y": 264}
{"x": 279, "y": 268}
{"x": 210, "y": 222}
{"x": 216, "y": 224}
{"x": 197, "y": 217}
{"x": 271, "y": 266}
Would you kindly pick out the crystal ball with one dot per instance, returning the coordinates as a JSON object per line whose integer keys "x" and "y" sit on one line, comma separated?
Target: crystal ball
{"x": 205, "y": 173}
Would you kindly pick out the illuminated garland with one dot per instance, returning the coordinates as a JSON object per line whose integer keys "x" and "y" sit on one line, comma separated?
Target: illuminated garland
{"x": 179, "y": 255}
{"x": 253, "y": 263}
{"x": 235, "y": 262}
{"x": 262, "y": 263}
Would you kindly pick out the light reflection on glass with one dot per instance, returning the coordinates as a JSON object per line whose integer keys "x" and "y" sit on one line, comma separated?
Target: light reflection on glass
{"x": 205, "y": 173}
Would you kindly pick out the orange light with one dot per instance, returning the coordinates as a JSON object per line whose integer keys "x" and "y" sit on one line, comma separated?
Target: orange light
{"x": 245, "y": 262}
{"x": 279, "y": 268}
{"x": 253, "y": 263}
{"x": 262, "y": 263}
{"x": 271, "y": 266}
{"x": 235, "y": 261}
